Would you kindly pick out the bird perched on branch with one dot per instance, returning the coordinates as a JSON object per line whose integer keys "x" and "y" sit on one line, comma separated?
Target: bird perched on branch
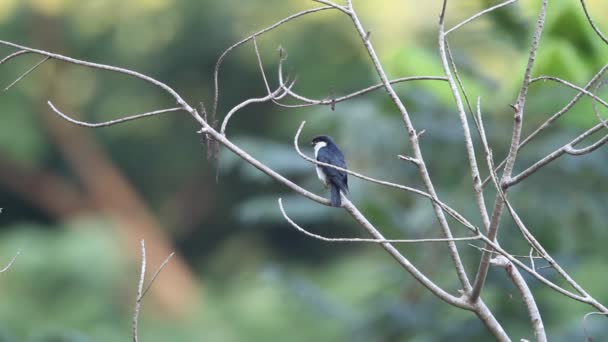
{"x": 326, "y": 151}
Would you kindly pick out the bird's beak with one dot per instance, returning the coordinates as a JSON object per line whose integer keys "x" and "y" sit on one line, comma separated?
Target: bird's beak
{"x": 312, "y": 143}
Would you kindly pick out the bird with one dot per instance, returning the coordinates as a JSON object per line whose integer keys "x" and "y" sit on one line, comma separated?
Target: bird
{"x": 326, "y": 151}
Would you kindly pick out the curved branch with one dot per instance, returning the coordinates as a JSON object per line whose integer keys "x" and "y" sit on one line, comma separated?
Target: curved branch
{"x": 566, "y": 149}
{"x": 276, "y": 95}
{"x": 326, "y": 239}
{"x": 10, "y": 263}
{"x": 13, "y": 55}
{"x": 479, "y": 14}
{"x": 92, "y": 65}
{"x": 595, "y": 28}
{"x": 111, "y": 122}
{"x": 245, "y": 40}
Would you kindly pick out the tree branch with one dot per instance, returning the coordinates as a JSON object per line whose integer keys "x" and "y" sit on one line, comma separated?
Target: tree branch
{"x": 245, "y": 40}
{"x": 10, "y": 263}
{"x": 479, "y": 14}
{"x": 595, "y": 28}
{"x": 413, "y": 137}
{"x": 141, "y": 292}
{"x": 555, "y": 116}
{"x": 29, "y": 71}
{"x": 326, "y": 239}
{"x": 526, "y": 294}
{"x": 484, "y": 264}
{"x": 111, "y": 122}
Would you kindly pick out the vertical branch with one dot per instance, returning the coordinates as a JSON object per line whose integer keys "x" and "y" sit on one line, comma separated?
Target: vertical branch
{"x": 478, "y": 189}
{"x": 517, "y": 279}
{"x": 484, "y": 264}
{"x": 141, "y": 291}
{"x": 140, "y": 288}
{"x": 413, "y": 138}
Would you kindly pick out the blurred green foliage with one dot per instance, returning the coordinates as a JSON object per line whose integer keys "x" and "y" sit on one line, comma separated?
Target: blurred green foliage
{"x": 260, "y": 279}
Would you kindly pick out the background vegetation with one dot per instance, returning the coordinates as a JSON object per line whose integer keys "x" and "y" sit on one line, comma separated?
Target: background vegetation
{"x": 245, "y": 275}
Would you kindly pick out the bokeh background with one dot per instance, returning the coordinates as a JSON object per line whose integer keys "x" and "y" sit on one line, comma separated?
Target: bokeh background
{"x": 77, "y": 201}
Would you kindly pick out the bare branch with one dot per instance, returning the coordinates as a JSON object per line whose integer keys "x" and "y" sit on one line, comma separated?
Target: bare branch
{"x": 141, "y": 292}
{"x": 260, "y": 64}
{"x": 403, "y": 261}
{"x": 584, "y": 297}
{"x": 573, "y": 86}
{"x": 566, "y": 149}
{"x": 326, "y": 239}
{"x": 245, "y": 40}
{"x": 481, "y": 249}
{"x": 526, "y": 294}
{"x": 8, "y": 266}
{"x": 595, "y": 28}
{"x": 140, "y": 287}
{"x": 160, "y": 268}
{"x": 29, "y": 71}
{"x": 128, "y": 72}
{"x": 417, "y": 153}
{"x": 329, "y": 3}
{"x": 587, "y": 337}
{"x": 277, "y": 94}
{"x": 484, "y": 264}
{"x": 555, "y": 116}
{"x": 111, "y": 122}
{"x": 479, "y": 14}
{"x": 13, "y": 55}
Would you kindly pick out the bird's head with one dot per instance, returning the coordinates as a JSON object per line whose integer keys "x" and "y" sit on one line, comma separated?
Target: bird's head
{"x": 321, "y": 141}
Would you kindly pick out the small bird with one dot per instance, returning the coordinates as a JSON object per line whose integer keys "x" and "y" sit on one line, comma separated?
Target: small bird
{"x": 326, "y": 151}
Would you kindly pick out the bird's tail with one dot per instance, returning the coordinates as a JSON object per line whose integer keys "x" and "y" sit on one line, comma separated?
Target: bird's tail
{"x": 336, "y": 200}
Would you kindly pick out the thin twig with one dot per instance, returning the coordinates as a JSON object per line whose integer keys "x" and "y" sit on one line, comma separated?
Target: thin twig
{"x": 479, "y": 14}
{"x": 583, "y": 322}
{"x": 111, "y": 122}
{"x": 573, "y": 86}
{"x": 140, "y": 287}
{"x": 332, "y": 101}
{"x": 245, "y": 40}
{"x": 29, "y": 71}
{"x": 277, "y": 94}
{"x": 595, "y": 28}
{"x": 8, "y": 266}
{"x": 326, "y": 239}
{"x": 111, "y": 68}
{"x": 13, "y": 55}
{"x": 160, "y": 268}
{"x": 482, "y": 249}
{"x": 338, "y": 7}
{"x": 141, "y": 292}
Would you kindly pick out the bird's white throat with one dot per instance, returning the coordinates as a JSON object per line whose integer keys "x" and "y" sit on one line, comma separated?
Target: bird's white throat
{"x": 319, "y": 145}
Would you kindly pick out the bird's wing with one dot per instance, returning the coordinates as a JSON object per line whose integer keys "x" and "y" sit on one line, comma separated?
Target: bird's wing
{"x": 335, "y": 176}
